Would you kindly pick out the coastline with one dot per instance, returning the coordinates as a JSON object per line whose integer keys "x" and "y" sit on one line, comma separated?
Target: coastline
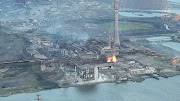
{"x": 77, "y": 85}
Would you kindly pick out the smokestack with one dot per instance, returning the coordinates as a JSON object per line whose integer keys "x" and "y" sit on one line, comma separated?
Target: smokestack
{"x": 109, "y": 36}
{"x": 116, "y": 33}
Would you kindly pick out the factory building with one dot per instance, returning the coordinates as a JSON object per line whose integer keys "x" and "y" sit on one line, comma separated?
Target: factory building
{"x": 88, "y": 72}
{"x": 91, "y": 72}
{"x": 110, "y": 51}
{"x": 141, "y": 71}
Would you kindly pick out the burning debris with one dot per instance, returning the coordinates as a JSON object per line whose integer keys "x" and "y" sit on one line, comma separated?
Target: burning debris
{"x": 177, "y": 18}
{"x": 112, "y": 59}
{"x": 175, "y": 61}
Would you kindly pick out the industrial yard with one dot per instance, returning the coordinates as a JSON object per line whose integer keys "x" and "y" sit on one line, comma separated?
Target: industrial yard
{"x": 95, "y": 45}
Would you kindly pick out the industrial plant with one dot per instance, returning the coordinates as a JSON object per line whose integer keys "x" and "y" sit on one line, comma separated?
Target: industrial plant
{"x": 88, "y": 47}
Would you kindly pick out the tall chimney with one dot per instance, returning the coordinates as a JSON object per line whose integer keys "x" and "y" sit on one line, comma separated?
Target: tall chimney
{"x": 116, "y": 33}
{"x": 109, "y": 36}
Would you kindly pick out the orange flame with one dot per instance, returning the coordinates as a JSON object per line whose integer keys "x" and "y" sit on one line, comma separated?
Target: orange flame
{"x": 112, "y": 59}
{"x": 109, "y": 59}
{"x": 177, "y": 18}
{"x": 175, "y": 61}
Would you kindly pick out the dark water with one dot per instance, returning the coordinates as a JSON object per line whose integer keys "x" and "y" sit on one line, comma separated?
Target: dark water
{"x": 139, "y": 4}
{"x": 149, "y": 90}
{"x": 144, "y": 4}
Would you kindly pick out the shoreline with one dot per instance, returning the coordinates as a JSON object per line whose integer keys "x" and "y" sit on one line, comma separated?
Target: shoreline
{"x": 109, "y": 81}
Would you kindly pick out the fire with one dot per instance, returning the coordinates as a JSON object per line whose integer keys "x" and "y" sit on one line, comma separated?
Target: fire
{"x": 175, "y": 61}
{"x": 112, "y": 59}
{"x": 109, "y": 59}
{"x": 177, "y": 18}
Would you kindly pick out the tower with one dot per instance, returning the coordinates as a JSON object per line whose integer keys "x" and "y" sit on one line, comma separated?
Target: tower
{"x": 116, "y": 26}
{"x": 109, "y": 36}
{"x": 96, "y": 74}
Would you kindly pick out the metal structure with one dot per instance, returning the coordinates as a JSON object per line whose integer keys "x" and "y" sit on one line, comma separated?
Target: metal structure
{"x": 109, "y": 36}
{"x": 38, "y": 97}
{"x": 96, "y": 73}
{"x": 116, "y": 26}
